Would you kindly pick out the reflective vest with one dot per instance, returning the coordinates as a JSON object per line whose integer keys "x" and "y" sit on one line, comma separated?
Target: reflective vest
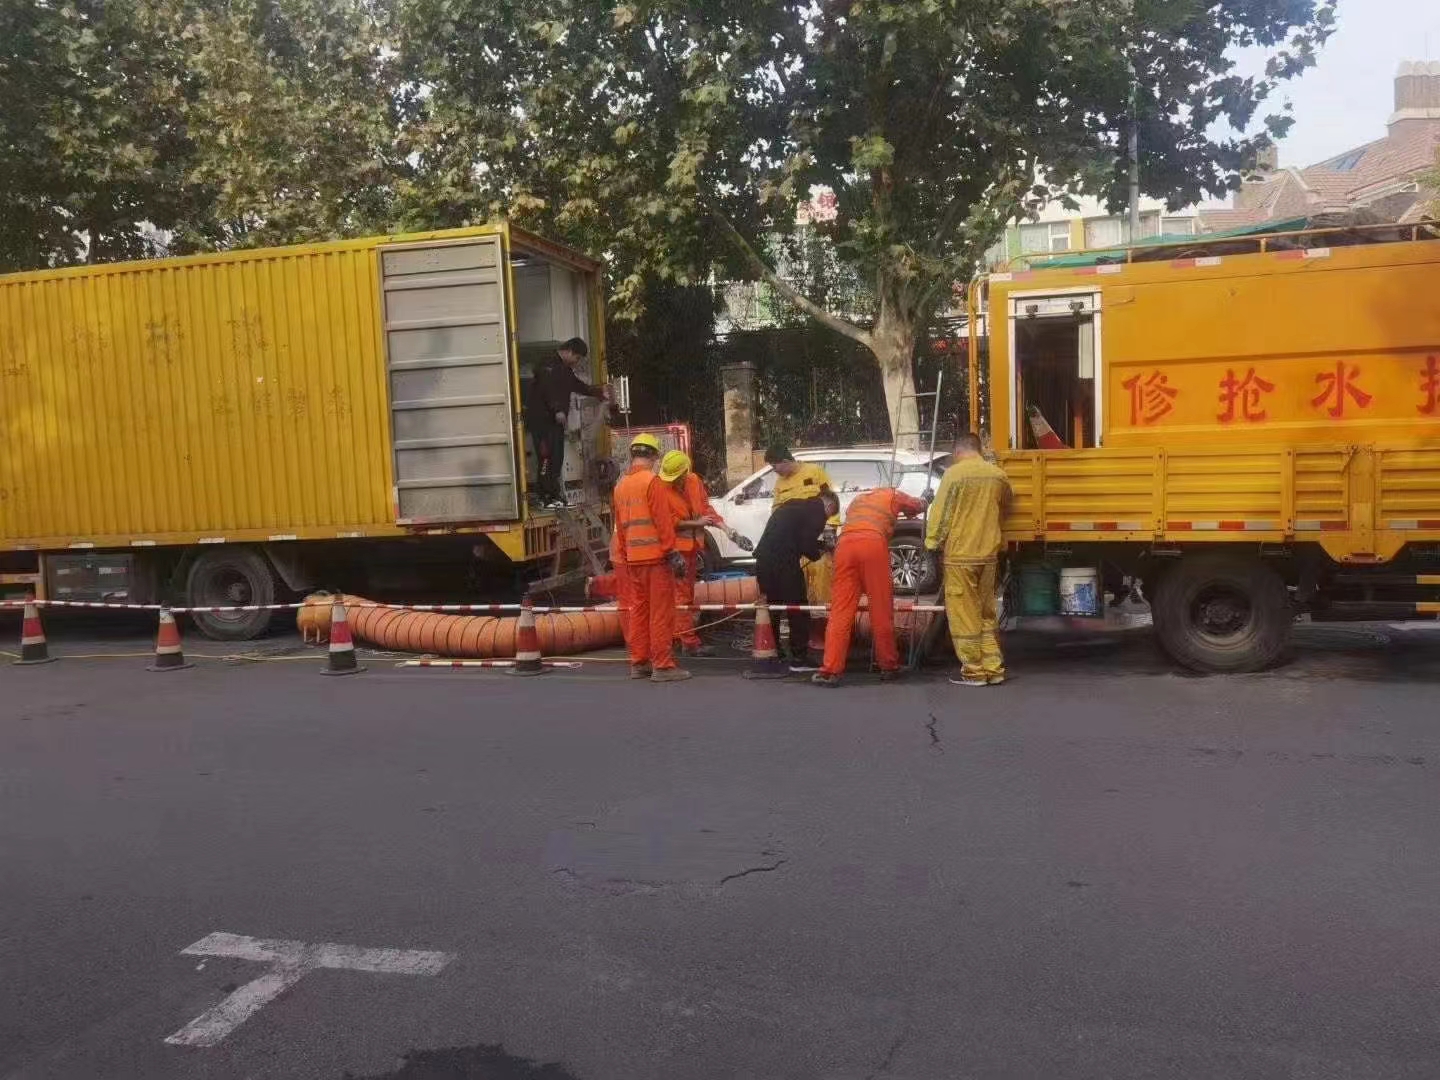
{"x": 875, "y": 512}
{"x": 689, "y": 501}
{"x": 637, "y": 540}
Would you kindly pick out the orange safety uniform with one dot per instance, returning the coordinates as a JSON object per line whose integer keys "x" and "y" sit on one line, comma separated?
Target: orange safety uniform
{"x": 644, "y": 538}
{"x": 689, "y": 501}
{"x": 862, "y": 565}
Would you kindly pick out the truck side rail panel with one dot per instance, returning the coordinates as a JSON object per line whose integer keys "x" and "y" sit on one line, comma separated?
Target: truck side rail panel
{"x": 1362, "y": 504}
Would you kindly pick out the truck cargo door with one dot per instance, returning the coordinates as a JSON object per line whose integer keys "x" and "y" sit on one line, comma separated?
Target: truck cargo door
{"x": 448, "y": 361}
{"x": 1055, "y": 370}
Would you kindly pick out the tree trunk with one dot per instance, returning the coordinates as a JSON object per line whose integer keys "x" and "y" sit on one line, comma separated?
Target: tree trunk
{"x": 893, "y": 342}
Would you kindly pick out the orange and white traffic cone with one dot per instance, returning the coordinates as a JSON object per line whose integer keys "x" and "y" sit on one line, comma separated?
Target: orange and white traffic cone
{"x": 33, "y": 649}
{"x": 1044, "y": 434}
{"x": 764, "y": 656}
{"x": 169, "y": 653}
{"x": 341, "y": 658}
{"x": 527, "y": 644}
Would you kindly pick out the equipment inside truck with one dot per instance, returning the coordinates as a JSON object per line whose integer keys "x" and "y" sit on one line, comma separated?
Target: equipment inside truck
{"x": 552, "y": 305}
{"x": 1054, "y": 369}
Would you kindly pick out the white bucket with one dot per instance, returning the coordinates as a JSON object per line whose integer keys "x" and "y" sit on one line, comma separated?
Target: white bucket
{"x": 1080, "y": 591}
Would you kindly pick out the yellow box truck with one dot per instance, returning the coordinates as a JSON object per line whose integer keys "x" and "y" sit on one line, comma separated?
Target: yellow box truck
{"x": 1252, "y": 423}
{"x": 227, "y": 429}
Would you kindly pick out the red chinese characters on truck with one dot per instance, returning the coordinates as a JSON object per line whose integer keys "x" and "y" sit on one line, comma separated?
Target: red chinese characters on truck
{"x": 1241, "y": 397}
{"x": 1245, "y": 395}
{"x": 1336, "y": 386}
{"x": 1429, "y": 386}
{"x": 1150, "y": 398}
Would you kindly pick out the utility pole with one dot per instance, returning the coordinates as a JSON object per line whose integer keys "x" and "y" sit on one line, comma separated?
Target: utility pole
{"x": 1134, "y": 152}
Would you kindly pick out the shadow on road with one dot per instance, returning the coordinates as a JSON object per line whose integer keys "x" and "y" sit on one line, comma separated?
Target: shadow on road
{"x": 482, "y": 1062}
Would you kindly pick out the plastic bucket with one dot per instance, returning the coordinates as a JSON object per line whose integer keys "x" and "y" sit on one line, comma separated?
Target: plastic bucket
{"x": 1080, "y": 591}
{"x": 1038, "y": 595}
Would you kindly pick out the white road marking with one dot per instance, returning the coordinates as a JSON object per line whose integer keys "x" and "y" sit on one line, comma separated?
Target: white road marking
{"x": 290, "y": 962}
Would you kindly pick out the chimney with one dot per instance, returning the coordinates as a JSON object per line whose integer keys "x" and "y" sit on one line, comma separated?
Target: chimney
{"x": 1417, "y": 95}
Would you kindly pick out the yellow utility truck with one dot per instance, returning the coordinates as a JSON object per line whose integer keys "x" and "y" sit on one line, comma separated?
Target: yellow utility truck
{"x": 1251, "y": 423}
{"x": 233, "y": 429}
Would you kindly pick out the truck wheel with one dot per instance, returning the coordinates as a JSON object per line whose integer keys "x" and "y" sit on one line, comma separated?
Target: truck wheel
{"x": 1219, "y": 613}
{"x": 912, "y": 569}
{"x": 230, "y": 577}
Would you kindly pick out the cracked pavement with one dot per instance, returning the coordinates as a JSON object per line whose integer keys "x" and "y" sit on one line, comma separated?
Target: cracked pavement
{"x": 1103, "y": 870}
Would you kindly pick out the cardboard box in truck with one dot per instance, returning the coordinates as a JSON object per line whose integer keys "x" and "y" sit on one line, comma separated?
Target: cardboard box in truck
{"x": 223, "y": 429}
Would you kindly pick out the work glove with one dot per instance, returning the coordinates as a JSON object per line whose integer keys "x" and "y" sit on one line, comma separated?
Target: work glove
{"x": 929, "y": 497}
{"x": 744, "y": 543}
{"x": 677, "y": 565}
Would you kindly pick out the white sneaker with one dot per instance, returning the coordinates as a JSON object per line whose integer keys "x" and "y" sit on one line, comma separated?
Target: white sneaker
{"x": 961, "y": 681}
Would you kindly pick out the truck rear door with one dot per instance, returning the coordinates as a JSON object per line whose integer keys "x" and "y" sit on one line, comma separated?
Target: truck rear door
{"x": 451, "y": 388}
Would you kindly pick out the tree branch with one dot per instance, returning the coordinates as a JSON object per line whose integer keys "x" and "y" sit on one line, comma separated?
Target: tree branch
{"x": 783, "y": 287}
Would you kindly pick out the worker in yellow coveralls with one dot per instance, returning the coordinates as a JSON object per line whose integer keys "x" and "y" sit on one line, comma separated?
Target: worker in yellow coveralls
{"x": 965, "y": 522}
{"x": 805, "y": 480}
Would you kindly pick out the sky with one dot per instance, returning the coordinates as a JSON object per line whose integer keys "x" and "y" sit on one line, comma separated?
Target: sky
{"x": 1346, "y": 98}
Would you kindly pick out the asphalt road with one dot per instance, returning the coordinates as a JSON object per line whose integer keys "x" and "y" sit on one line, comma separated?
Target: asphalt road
{"x": 1104, "y": 869}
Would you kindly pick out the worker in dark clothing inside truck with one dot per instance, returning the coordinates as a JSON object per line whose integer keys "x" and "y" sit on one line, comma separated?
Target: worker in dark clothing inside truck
{"x": 793, "y": 532}
{"x": 547, "y": 407}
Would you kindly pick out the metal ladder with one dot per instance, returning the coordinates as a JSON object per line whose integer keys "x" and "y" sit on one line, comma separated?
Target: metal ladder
{"x": 920, "y": 645}
{"x": 926, "y": 435}
{"x": 578, "y": 528}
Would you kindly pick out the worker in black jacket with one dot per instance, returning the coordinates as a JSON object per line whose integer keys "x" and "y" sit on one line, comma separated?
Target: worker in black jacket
{"x": 546, "y": 409}
{"x": 793, "y": 531}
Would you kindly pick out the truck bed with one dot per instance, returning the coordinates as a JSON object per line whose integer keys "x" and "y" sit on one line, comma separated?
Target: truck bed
{"x": 1361, "y": 504}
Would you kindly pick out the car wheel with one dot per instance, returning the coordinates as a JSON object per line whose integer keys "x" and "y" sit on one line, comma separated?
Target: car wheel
{"x": 912, "y": 568}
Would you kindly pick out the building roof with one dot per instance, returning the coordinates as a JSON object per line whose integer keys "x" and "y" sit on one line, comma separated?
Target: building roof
{"x": 1342, "y": 182}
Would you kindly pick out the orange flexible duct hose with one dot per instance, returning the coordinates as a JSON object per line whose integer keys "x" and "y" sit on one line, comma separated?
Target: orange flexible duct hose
{"x": 481, "y": 637}
{"x": 467, "y": 637}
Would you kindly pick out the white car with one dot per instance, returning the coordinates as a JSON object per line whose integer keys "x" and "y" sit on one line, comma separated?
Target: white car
{"x": 746, "y": 507}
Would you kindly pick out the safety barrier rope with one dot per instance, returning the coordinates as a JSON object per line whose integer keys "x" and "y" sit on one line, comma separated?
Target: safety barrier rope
{"x": 487, "y": 609}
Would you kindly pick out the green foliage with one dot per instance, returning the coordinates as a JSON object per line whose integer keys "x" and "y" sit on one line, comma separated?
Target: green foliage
{"x": 679, "y": 130}
{"x": 93, "y": 143}
{"x": 296, "y": 122}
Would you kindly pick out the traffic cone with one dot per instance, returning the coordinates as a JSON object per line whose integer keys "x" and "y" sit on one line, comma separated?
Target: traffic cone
{"x": 33, "y": 649}
{"x": 341, "y": 658}
{"x": 764, "y": 656}
{"x": 169, "y": 653}
{"x": 527, "y": 644}
{"x": 1045, "y": 437}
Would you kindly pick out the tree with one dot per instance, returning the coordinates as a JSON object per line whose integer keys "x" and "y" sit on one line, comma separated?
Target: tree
{"x": 297, "y": 119}
{"x": 685, "y": 130}
{"x": 93, "y": 147}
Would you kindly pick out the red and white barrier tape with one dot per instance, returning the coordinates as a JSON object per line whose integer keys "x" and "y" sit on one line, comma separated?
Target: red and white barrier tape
{"x": 473, "y": 609}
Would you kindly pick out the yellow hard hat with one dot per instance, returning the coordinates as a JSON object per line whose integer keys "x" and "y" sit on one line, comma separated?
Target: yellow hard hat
{"x": 645, "y": 440}
{"x": 674, "y": 465}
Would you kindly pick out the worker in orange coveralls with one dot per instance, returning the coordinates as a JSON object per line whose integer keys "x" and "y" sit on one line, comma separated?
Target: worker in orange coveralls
{"x": 862, "y": 565}
{"x": 647, "y": 564}
{"x": 690, "y": 502}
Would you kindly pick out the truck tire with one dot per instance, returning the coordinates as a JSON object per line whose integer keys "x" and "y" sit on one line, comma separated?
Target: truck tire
{"x": 224, "y": 577}
{"x": 1222, "y": 613}
{"x": 913, "y": 570}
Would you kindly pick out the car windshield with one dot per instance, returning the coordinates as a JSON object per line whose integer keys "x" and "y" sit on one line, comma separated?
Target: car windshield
{"x": 913, "y": 478}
